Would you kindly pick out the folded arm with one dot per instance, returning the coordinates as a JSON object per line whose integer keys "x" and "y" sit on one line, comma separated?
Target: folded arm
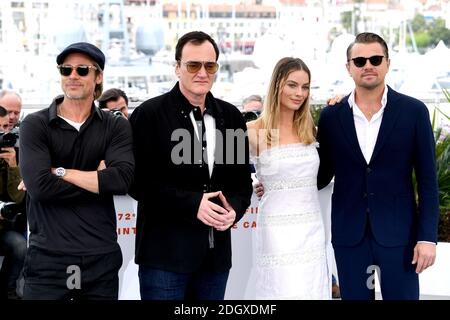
{"x": 35, "y": 164}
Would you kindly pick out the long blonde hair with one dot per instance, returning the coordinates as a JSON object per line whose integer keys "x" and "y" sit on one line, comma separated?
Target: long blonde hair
{"x": 270, "y": 117}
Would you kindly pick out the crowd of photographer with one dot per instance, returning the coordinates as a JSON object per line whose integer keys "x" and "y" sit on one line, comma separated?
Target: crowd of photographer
{"x": 13, "y": 244}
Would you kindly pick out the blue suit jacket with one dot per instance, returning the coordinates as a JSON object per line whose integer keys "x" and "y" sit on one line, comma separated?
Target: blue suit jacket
{"x": 381, "y": 192}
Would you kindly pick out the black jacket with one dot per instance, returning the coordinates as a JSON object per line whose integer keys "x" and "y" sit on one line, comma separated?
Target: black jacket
{"x": 169, "y": 235}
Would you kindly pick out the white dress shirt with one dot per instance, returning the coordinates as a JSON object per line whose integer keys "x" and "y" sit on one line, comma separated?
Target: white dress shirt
{"x": 367, "y": 131}
{"x": 210, "y": 128}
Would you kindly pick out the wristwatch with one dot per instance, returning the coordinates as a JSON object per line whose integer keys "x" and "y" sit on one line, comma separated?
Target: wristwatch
{"x": 60, "y": 172}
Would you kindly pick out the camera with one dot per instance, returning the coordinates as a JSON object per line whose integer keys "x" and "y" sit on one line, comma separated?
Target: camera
{"x": 9, "y": 210}
{"x": 117, "y": 112}
{"x": 250, "y": 115}
{"x": 10, "y": 138}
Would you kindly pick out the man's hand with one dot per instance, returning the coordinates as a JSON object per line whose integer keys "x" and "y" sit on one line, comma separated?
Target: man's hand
{"x": 9, "y": 154}
{"x": 22, "y": 186}
{"x": 424, "y": 255}
{"x": 333, "y": 100}
{"x": 258, "y": 188}
{"x": 230, "y": 216}
{"x": 210, "y": 213}
{"x": 101, "y": 166}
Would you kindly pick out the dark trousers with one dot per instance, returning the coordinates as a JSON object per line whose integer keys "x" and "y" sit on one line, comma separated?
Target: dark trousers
{"x": 165, "y": 285}
{"x": 355, "y": 265}
{"x": 52, "y": 276}
{"x": 13, "y": 246}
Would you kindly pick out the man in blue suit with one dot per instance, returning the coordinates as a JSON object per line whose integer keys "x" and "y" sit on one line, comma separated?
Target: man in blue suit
{"x": 371, "y": 142}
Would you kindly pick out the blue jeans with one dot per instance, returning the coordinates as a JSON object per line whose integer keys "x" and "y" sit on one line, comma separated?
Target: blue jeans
{"x": 165, "y": 285}
{"x": 14, "y": 246}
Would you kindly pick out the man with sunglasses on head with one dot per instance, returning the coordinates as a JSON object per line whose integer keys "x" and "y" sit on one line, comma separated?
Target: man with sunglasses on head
{"x": 74, "y": 158}
{"x": 371, "y": 142}
{"x": 192, "y": 180}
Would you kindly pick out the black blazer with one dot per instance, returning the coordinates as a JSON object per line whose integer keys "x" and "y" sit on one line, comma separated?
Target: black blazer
{"x": 169, "y": 236}
{"x": 381, "y": 191}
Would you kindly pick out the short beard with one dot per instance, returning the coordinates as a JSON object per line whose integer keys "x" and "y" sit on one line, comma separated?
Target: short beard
{"x": 370, "y": 86}
{"x": 74, "y": 97}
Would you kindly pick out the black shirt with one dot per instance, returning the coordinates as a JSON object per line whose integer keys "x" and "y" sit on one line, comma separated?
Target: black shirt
{"x": 63, "y": 217}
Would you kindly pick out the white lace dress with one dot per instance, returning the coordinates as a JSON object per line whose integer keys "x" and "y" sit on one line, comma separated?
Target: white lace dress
{"x": 290, "y": 260}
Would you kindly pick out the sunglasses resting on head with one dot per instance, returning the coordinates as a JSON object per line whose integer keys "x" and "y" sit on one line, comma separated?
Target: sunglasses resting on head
{"x": 82, "y": 70}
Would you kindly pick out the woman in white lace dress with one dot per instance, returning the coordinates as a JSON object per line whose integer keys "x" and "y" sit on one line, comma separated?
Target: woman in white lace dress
{"x": 290, "y": 260}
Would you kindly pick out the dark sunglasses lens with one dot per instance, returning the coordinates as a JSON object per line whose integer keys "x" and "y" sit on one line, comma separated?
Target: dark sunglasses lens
{"x": 65, "y": 71}
{"x": 211, "y": 67}
{"x": 193, "y": 66}
{"x": 82, "y": 70}
{"x": 359, "y": 62}
{"x": 376, "y": 60}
